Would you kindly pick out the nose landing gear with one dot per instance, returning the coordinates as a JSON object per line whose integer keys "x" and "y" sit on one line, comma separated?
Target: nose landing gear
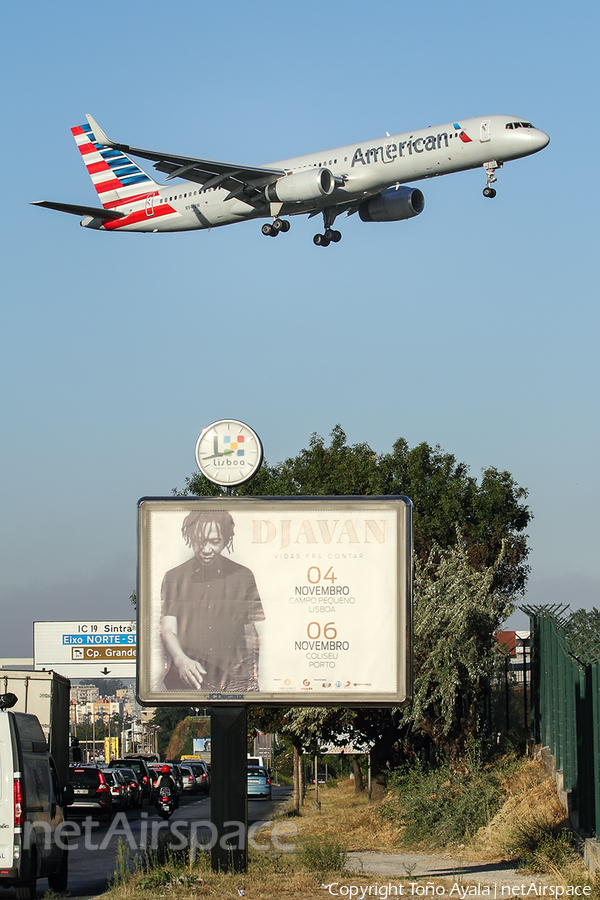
{"x": 278, "y": 225}
{"x": 490, "y": 168}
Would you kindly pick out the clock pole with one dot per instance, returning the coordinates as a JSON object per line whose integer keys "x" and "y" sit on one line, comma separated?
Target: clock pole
{"x": 229, "y": 453}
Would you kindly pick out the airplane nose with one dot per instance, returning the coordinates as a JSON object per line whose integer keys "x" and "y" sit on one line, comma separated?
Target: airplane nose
{"x": 540, "y": 139}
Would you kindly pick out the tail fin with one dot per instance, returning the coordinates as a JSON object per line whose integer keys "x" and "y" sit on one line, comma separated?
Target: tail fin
{"x": 114, "y": 175}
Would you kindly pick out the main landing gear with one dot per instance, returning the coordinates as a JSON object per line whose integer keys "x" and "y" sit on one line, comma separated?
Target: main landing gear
{"x": 490, "y": 168}
{"x": 324, "y": 240}
{"x": 277, "y": 226}
{"x": 330, "y": 236}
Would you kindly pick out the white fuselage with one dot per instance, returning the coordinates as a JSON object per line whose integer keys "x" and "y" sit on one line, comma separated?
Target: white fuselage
{"x": 366, "y": 168}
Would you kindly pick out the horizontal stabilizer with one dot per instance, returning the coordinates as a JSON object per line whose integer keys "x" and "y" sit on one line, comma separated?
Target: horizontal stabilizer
{"x": 94, "y": 211}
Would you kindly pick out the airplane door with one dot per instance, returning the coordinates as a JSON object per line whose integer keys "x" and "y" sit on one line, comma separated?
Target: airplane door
{"x": 150, "y": 205}
{"x": 484, "y": 130}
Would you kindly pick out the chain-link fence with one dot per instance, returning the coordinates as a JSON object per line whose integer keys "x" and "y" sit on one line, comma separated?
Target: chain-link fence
{"x": 565, "y": 704}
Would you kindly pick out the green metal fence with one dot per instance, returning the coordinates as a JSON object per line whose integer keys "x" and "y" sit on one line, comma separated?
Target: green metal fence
{"x": 565, "y": 670}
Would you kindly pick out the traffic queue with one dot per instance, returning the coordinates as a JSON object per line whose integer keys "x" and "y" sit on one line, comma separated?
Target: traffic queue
{"x": 132, "y": 782}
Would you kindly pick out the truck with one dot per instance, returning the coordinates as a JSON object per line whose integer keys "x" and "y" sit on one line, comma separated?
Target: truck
{"x": 46, "y": 695}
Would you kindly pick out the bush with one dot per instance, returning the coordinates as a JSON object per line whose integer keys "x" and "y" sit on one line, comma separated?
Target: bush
{"x": 322, "y": 854}
{"x": 435, "y": 807}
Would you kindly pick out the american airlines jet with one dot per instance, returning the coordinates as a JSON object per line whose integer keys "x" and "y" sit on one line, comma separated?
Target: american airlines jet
{"x": 369, "y": 178}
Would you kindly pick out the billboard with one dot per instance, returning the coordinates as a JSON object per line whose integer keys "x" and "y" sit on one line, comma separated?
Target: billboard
{"x": 86, "y": 649}
{"x": 275, "y": 601}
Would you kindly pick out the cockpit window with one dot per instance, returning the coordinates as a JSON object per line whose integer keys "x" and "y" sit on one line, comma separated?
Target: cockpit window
{"x": 513, "y": 125}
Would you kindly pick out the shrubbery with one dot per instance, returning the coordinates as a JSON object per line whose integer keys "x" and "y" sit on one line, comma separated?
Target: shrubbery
{"x": 434, "y": 807}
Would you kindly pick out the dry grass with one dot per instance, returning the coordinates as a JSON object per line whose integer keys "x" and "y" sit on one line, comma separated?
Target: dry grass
{"x": 532, "y": 806}
{"x": 348, "y": 818}
{"x": 347, "y": 815}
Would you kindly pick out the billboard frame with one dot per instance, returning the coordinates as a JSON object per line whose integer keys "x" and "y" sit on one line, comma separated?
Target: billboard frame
{"x": 399, "y": 510}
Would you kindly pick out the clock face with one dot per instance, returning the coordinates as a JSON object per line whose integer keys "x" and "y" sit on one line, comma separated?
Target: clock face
{"x": 228, "y": 452}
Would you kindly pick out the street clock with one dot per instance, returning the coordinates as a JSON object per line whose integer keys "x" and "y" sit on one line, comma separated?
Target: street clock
{"x": 228, "y": 452}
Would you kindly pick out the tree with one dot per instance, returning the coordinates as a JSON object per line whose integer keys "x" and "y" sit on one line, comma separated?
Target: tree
{"x": 582, "y": 629}
{"x": 457, "y": 613}
{"x": 491, "y": 514}
{"x": 107, "y": 687}
{"x": 471, "y": 563}
{"x": 167, "y": 718}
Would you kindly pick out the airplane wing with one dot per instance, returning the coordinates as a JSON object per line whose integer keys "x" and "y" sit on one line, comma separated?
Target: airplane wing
{"x": 96, "y": 212}
{"x": 207, "y": 172}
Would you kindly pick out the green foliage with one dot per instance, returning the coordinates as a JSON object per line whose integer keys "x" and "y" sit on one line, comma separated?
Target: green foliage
{"x": 436, "y": 806}
{"x": 182, "y": 737}
{"x": 319, "y": 853}
{"x": 541, "y": 849}
{"x": 457, "y": 612}
{"x": 471, "y": 551}
{"x": 108, "y": 687}
{"x": 122, "y": 869}
{"x": 582, "y": 630}
{"x": 443, "y": 492}
{"x": 167, "y": 718}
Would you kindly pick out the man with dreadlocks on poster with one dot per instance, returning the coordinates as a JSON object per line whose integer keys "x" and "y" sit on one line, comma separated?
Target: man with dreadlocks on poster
{"x": 209, "y": 608}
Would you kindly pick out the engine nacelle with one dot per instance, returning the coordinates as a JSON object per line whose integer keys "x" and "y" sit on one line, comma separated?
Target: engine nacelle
{"x": 301, "y": 186}
{"x": 393, "y": 205}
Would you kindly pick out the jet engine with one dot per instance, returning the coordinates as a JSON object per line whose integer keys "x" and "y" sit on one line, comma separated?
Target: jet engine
{"x": 392, "y": 205}
{"x": 301, "y": 186}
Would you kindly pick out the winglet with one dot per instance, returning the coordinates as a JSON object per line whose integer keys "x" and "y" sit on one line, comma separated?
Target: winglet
{"x": 100, "y": 136}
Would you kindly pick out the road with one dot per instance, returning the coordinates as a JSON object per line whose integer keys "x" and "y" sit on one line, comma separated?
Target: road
{"x": 92, "y": 857}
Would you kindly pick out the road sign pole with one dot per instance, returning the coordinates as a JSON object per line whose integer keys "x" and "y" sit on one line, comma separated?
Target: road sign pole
{"x": 229, "y": 784}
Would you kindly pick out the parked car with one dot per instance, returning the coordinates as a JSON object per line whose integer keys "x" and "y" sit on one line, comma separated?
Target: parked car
{"x": 141, "y": 768}
{"x": 322, "y": 778}
{"x": 32, "y": 806}
{"x": 259, "y": 783}
{"x": 135, "y": 788}
{"x": 91, "y": 790}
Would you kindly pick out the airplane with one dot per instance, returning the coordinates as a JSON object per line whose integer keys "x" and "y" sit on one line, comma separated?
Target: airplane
{"x": 369, "y": 178}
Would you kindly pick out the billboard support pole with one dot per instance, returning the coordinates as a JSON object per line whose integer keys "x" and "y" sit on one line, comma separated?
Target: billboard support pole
{"x": 229, "y": 784}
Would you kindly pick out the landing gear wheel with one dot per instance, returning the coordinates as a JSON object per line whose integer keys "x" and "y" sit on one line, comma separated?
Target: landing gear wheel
{"x": 285, "y": 225}
{"x": 321, "y": 240}
{"x": 277, "y": 225}
{"x": 267, "y": 229}
{"x": 335, "y": 236}
{"x": 489, "y": 192}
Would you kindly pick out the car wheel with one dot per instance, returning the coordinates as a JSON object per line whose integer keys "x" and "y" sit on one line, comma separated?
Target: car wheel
{"x": 27, "y": 890}
{"x": 58, "y": 880}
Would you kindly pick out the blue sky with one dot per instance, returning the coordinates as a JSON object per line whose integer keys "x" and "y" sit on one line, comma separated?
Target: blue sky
{"x": 473, "y": 326}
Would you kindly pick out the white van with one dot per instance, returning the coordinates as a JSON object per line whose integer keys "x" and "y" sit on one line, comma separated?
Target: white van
{"x": 255, "y": 761}
{"x": 31, "y": 806}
